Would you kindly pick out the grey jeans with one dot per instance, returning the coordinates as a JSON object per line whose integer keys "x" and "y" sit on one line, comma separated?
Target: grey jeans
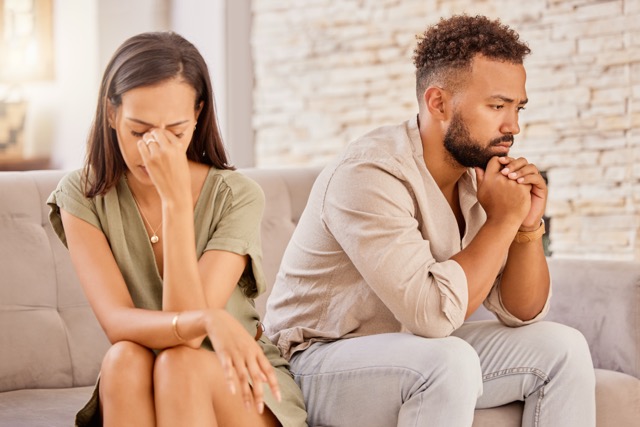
{"x": 405, "y": 380}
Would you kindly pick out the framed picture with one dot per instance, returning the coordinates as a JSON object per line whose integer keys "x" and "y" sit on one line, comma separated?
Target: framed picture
{"x": 26, "y": 41}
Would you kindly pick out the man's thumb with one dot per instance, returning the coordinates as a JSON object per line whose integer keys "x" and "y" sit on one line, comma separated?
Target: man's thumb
{"x": 479, "y": 175}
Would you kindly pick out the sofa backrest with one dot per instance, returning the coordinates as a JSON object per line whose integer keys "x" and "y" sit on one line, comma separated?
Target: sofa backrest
{"x": 49, "y": 337}
{"x": 286, "y": 192}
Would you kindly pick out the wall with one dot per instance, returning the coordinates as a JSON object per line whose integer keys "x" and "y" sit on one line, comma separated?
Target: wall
{"x": 86, "y": 33}
{"x": 58, "y": 115}
{"x": 326, "y": 71}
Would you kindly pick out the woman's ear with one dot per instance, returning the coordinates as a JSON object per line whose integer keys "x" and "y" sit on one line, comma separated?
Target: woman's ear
{"x": 436, "y": 100}
{"x": 111, "y": 115}
{"x": 199, "y": 108}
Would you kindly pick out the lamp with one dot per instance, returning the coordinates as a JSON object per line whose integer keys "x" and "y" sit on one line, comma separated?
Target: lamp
{"x": 26, "y": 55}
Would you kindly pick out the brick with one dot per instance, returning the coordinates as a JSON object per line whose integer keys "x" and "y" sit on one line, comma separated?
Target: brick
{"x": 610, "y": 95}
{"x": 598, "y": 44}
{"x": 616, "y": 173}
{"x": 600, "y": 77}
{"x": 631, "y": 7}
{"x": 625, "y": 56}
{"x": 600, "y": 10}
{"x": 608, "y": 109}
{"x": 614, "y": 123}
{"x": 569, "y": 29}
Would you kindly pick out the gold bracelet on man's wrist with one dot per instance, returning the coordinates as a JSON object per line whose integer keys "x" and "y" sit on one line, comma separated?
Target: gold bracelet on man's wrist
{"x": 530, "y": 236}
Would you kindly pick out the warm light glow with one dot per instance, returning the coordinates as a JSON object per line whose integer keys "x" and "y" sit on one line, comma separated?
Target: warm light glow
{"x": 25, "y": 40}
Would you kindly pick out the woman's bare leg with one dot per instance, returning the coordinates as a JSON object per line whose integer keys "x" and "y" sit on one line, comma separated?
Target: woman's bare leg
{"x": 126, "y": 388}
{"x": 191, "y": 389}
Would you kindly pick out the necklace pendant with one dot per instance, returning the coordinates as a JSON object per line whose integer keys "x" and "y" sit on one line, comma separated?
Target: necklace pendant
{"x": 154, "y": 239}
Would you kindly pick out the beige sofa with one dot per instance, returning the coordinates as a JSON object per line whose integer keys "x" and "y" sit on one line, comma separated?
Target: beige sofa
{"x": 51, "y": 345}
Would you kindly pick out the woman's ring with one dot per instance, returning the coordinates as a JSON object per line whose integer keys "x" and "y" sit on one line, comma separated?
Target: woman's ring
{"x": 149, "y": 141}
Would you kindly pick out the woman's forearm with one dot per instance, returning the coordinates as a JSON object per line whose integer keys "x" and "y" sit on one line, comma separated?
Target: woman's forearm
{"x": 182, "y": 284}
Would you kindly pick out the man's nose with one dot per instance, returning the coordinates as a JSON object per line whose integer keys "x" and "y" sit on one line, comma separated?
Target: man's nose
{"x": 510, "y": 125}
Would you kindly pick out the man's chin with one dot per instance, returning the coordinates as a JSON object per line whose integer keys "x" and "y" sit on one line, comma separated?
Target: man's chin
{"x": 483, "y": 166}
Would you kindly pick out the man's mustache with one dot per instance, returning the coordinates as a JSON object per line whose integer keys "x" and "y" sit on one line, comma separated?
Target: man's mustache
{"x": 505, "y": 138}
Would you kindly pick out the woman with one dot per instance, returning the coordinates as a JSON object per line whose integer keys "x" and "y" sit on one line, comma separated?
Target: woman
{"x": 164, "y": 236}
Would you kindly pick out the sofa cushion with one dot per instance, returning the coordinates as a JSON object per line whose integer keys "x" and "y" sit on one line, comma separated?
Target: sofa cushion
{"x": 617, "y": 399}
{"x": 600, "y": 298}
{"x": 42, "y": 408}
{"x": 49, "y": 333}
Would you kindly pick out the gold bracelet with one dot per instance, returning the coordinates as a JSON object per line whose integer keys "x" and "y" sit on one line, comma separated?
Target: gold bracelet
{"x": 530, "y": 236}
{"x": 174, "y": 322}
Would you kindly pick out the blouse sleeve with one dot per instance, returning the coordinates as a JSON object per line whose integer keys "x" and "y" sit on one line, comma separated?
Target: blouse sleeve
{"x": 238, "y": 229}
{"x": 69, "y": 196}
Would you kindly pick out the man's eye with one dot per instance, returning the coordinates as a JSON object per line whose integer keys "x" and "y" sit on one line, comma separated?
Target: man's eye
{"x": 521, "y": 109}
{"x": 497, "y": 107}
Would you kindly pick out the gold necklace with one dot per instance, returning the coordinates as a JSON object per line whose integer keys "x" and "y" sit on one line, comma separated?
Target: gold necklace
{"x": 154, "y": 237}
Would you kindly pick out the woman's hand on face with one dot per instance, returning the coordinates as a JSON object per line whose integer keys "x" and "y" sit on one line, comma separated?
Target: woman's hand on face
{"x": 241, "y": 358}
{"x": 165, "y": 159}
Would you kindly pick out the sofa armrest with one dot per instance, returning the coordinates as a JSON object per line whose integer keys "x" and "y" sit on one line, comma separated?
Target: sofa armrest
{"x": 602, "y": 300}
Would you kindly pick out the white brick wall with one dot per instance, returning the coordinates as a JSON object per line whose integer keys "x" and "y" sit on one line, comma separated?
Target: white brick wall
{"x": 327, "y": 71}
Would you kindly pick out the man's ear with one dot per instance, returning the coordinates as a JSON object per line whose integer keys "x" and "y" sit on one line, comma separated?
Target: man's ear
{"x": 436, "y": 100}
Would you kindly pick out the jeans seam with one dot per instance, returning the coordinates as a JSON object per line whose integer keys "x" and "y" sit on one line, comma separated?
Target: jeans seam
{"x": 363, "y": 368}
{"x": 538, "y": 405}
{"x": 523, "y": 370}
{"x": 513, "y": 371}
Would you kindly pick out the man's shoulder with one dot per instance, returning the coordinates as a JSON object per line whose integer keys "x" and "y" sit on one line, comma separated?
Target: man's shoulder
{"x": 389, "y": 144}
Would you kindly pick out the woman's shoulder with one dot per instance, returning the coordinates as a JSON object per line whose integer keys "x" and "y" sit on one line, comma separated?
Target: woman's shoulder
{"x": 72, "y": 185}
{"x": 238, "y": 183}
{"x": 72, "y": 180}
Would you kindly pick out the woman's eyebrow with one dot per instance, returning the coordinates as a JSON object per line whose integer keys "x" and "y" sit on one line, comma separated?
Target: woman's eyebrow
{"x": 142, "y": 122}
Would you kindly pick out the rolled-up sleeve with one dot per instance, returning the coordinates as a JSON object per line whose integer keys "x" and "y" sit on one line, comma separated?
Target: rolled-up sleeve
{"x": 493, "y": 303}
{"x": 376, "y": 224}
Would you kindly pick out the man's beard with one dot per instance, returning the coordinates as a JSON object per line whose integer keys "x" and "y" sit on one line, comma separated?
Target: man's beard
{"x": 467, "y": 151}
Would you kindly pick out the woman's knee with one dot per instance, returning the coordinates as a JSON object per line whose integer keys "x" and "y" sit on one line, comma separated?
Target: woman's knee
{"x": 179, "y": 364}
{"x": 126, "y": 357}
{"x": 127, "y": 364}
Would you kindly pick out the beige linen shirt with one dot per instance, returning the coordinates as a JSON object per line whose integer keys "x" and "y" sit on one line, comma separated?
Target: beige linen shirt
{"x": 371, "y": 253}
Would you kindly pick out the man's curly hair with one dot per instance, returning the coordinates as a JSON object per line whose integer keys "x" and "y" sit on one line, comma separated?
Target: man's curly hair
{"x": 448, "y": 47}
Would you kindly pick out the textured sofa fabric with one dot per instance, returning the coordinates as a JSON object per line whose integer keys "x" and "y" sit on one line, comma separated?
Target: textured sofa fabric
{"x": 51, "y": 345}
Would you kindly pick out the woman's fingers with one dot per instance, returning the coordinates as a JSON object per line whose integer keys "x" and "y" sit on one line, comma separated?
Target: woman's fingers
{"x": 252, "y": 367}
{"x": 243, "y": 379}
{"x": 270, "y": 377}
{"x": 245, "y": 365}
{"x": 229, "y": 371}
{"x": 258, "y": 378}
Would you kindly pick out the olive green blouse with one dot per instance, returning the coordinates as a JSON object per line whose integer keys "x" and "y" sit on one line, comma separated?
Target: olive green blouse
{"x": 227, "y": 217}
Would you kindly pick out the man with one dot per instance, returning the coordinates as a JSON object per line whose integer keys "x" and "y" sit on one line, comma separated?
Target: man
{"x": 406, "y": 234}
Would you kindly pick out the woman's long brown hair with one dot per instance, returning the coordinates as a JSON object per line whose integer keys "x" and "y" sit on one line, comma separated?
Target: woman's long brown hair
{"x": 144, "y": 60}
